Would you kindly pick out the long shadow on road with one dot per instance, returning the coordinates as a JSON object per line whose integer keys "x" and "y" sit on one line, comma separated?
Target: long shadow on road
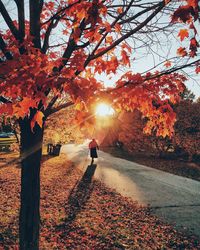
{"x": 78, "y": 197}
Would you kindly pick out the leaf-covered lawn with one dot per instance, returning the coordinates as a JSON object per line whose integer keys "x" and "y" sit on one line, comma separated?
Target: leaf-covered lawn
{"x": 80, "y": 213}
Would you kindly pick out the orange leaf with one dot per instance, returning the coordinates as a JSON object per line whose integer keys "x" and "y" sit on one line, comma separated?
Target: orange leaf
{"x": 183, "y": 33}
{"x": 193, "y": 3}
{"x": 109, "y": 39}
{"x": 21, "y": 109}
{"x": 197, "y": 70}
{"x": 38, "y": 117}
{"x": 181, "y": 52}
{"x": 168, "y": 64}
{"x": 76, "y": 34}
{"x": 117, "y": 27}
{"x": 50, "y": 5}
{"x": 193, "y": 43}
{"x": 81, "y": 14}
{"x": 96, "y": 37}
{"x": 183, "y": 14}
{"x": 120, "y": 10}
{"x": 107, "y": 26}
{"x": 126, "y": 46}
{"x": 125, "y": 58}
{"x": 167, "y": 1}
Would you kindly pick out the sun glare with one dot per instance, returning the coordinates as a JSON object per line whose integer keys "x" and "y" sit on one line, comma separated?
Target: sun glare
{"x": 104, "y": 110}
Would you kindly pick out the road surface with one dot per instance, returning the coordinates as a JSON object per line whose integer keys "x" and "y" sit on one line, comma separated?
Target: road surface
{"x": 173, "y": 198}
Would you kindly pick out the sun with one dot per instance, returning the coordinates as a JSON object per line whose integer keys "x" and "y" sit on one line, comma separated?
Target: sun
{"x": 104, "y": 110}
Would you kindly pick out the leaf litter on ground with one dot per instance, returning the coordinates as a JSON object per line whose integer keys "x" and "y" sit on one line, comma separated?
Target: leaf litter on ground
{"x": 79, "y": 212}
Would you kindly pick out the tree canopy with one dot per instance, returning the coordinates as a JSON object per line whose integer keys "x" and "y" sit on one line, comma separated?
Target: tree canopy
{"x": 55, "y": 49}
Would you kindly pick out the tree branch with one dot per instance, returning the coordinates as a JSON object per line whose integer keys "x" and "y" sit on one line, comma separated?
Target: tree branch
{"x": 4, "y": 100}
{"x": 41, "y": 5}
{"x": 128, "y": 20}
{"x": 71, "y": 46}
{"x": 7, "y": 54}
{"x": 82, "y": 46}
{"x": 56, "y": 15}
{"x": 155, "y": 76}
{"x": 112, "y": 25}
{"x": 34, "y": 8}
{"x": 8, "y": 20}
{"x": 51, "y": 103}
{"x": 124, "y": 37}
{"x": 51, "y": 26}
{"x": 58, "y": 108}
{"x": 21, "y": 19}
{"x": 169, "y": 71}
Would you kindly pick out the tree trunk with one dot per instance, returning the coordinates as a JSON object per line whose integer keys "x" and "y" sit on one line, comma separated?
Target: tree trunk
{"x": 31, "y": 152}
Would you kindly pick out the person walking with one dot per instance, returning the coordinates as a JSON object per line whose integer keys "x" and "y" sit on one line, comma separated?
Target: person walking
{"x": 93, "y": 146}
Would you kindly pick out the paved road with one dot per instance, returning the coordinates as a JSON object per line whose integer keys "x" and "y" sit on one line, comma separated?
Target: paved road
{"x": 174, "y": 198}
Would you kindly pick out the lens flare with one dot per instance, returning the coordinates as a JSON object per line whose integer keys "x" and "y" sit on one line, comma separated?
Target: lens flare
{"x": 104, "y": 110}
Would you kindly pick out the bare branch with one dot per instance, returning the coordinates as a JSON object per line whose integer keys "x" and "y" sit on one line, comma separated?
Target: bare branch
{"x": 131, "y": 32}
{"x": 157, "y": 75}
{"x": 21, "y": 18}
{"x": 174, "y": 69}
{"x": 8, "y": 20}
{"x": 51, "y": 26}
{"x": 34, "y": 8}
{"x": 128, "y": 20}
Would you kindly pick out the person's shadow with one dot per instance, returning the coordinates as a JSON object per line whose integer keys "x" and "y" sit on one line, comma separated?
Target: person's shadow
{"x": 78, "y": 196}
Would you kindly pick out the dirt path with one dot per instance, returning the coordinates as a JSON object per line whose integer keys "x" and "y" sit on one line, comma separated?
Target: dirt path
{"x": 174, "y": 198}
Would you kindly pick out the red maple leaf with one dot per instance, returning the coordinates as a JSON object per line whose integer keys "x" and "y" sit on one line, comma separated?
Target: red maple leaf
{"x": 197, "y": 70}
{"x": 125, "y": 58}
{"x": 193, "y": 44}
{"x": 168, "y": 64}
{"x": 183, "y": 13}
{"x": 193, "y": 47}
{"x": 182, "y": 52}
{"x": 193, "y": 3}
{"x": 183, "y": 33}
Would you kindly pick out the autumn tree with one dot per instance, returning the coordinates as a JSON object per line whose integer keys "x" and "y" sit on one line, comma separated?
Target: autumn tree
{"x": 61, "y": 127}
{"x": 187, "y": 95}
{"x": 131, "y": 132}
{"x": 187, "y": 128}
{"x": 54, "y": 49}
